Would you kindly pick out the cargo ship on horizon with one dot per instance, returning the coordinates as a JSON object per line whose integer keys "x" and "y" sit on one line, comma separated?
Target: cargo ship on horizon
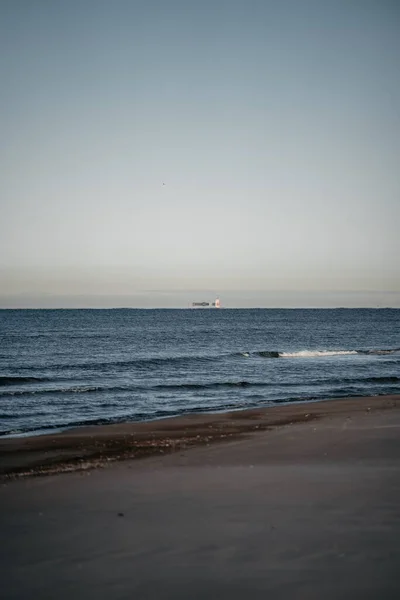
{"x": 215, "y": 304}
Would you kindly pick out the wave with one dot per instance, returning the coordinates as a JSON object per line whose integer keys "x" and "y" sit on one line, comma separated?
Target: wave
{"x": 196, "y": 387}
{"x": 85, "y": 389}
{"x": 7, "y": 380}
{"x": 213, "y": 385}
{"x": 379, "y": 352}
{"x": 124, "y": 418}
{"x": 383, "y": 379}
{"x": 76, "y": 389}
{"x": 140, "y": 362}
{"x": 263, "y": 384}
{"x": 261, "y": 353}
{"x": 315, "y": 353}
{"x": 160, "y": 413}
{"x": 268, "y": 384}
{"x": 156, "y": 362}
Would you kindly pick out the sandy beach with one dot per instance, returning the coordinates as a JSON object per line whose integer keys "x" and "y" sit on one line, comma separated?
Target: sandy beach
{"x": 296, "y": 501}
{"x": 89, "y": 447}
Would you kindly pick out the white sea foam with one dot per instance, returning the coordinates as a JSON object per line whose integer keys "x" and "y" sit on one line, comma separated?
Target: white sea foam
{"x": 315, "y": 353}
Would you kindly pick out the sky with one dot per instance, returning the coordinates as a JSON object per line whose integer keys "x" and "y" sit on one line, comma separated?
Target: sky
{"x": 157, "y": 152}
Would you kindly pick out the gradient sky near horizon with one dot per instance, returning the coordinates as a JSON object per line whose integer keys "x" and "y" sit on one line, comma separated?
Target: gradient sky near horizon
{"x": 162, "y": 151}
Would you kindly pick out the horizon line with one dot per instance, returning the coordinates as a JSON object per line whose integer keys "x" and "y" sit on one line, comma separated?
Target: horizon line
{"x": 208, "y": 309}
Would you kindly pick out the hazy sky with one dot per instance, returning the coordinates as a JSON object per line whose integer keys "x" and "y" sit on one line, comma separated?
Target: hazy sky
{"x": 155, "y": 152}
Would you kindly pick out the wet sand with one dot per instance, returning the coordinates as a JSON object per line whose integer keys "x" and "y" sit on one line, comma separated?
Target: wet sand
{"x": 305, "y": 508}
{"x": 92, "y": 447}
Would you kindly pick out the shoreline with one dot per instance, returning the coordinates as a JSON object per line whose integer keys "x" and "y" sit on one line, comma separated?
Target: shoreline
{"x": 85, "y": 448}
{"x": 65, "y": 429}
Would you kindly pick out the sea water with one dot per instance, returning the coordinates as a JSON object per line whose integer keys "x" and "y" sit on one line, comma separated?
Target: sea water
{"x": 66, "y": 368}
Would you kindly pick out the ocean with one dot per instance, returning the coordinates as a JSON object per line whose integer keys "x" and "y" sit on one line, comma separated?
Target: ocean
{"x": 67, "y": 368}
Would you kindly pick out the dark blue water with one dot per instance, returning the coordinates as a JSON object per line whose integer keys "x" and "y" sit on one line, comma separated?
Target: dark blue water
{"x": 62, "y": 368}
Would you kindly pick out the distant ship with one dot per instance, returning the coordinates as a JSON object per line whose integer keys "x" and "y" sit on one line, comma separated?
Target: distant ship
{"x": 215, "y": 304}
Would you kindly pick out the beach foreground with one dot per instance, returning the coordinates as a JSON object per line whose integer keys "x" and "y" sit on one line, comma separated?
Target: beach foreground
{"x": 96, "y": 446}
{"x": 305, "y": 506}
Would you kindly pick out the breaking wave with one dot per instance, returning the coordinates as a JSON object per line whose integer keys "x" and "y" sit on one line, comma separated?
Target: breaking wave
{"x": 315, "y": 353}
{"x": 160, "y": 362}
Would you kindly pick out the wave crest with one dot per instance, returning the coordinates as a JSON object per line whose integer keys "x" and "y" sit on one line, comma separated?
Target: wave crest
{"x": 316, "y": 353}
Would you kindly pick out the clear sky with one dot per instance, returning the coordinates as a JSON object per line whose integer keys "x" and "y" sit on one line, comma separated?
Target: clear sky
{"x": 155, "y": 152}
